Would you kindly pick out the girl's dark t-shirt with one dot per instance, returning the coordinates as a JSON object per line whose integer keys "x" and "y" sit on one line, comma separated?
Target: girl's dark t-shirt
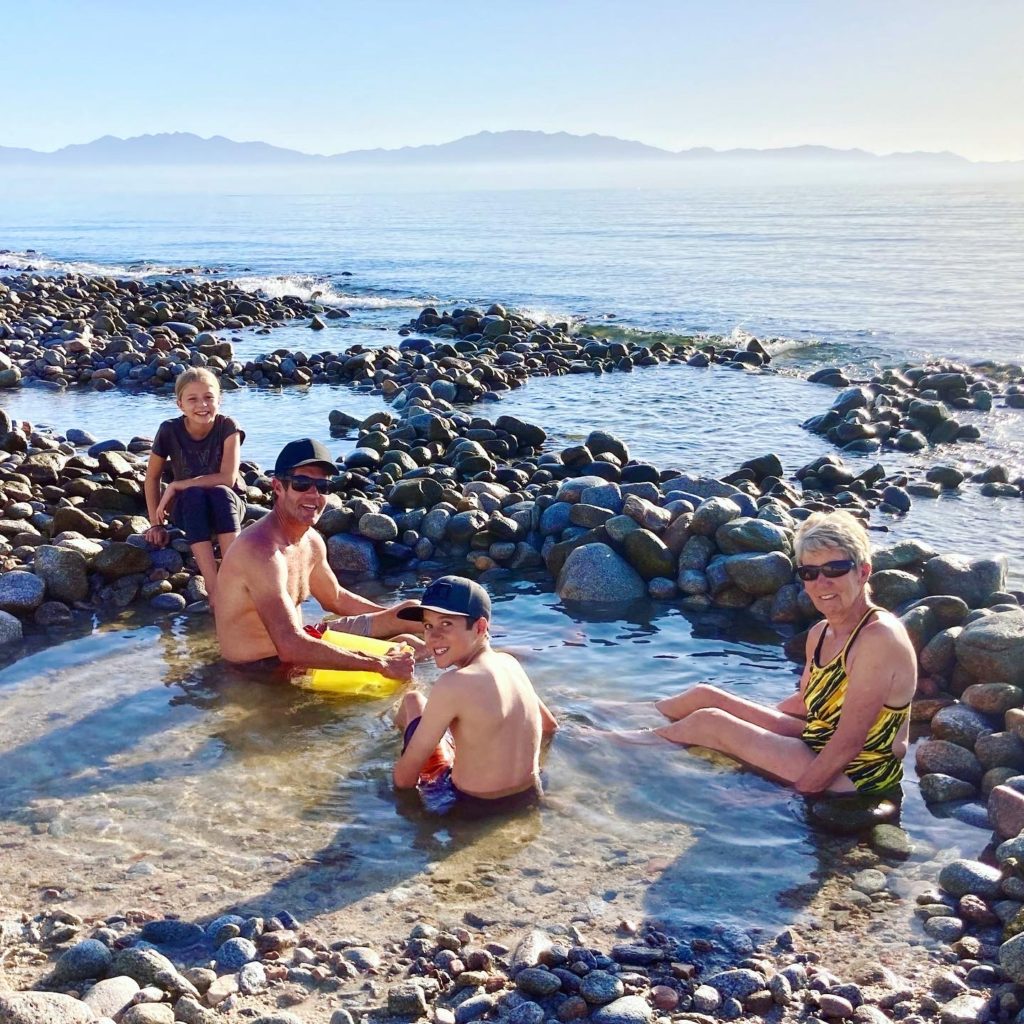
{"x": 187, "y": 457}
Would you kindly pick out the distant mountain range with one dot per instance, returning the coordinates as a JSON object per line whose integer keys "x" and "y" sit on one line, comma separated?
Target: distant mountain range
{"x": 185, "y": 148}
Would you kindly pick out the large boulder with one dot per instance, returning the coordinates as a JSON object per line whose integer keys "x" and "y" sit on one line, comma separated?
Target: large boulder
{"x": 43, "y": 1008}
{"x": 991, "y": 649}
{"x": 649, "y": 555}
{"x": 348, "y": 554}
{"x": 759, "y": 573}
{"x": 120, "y": 559}
{"x": 64, "y": 572}
{"x": 893, "y": 587}
{"x": 972, "y": 580}
{"x": 416, "y": 492}
{"x": 89, "y": 958}
{"x": 21, "y": 592}
{"x": 594, "y": 572}
{"x": 758, "y": 535}
{"x": 712, "y": 514}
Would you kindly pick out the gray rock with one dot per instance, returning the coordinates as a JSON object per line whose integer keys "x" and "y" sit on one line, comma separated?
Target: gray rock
{"x": 594, "y": 572}
{"x": 972, "y": 580}
{"x": 599, "y": 987}
{"x": 119, "y": 559}
{"x": 991, "y": 649}
{"x": 406, "y": 999}
{"x": 527, "y": 1012}
{"x": 948, "y": 759}
{"x": 648, "y": 554}
{"x": 536, "y": 981}
{"x": 891, "y": 841}
{"x": 901, "y": 555}
{"x": 141, "y": 963}
{"x": 835, "y": 1006}
{"x": 473, "y": 1009}
{"x": 172, "y": 932}
{"x": 696, "y": 554}
{"x": 1000, "y": 750}
{"x": 959, "y": 724}
{"x": 627, "y": 1010}
{"x": 960, "y": 877}
{"x": 87, "y": 959}
{"x": 737, "y": 984}
{"x": 964, "y": 1009}
{"x": 706, "y": 999}
{"x": 755, "y": 535}
{"x": 148, "y": 1013}
{"x": 348, "y": 554}
{"x": 938, "y": 657}
{"x": 712, "y": 514}
{"x": 944, "y": 928}
{"x": 279, "y": 1017}
{"x": 363, "y": 957}
{"x": 759, "y": 573}
{"x": 377, "y": 526}
{"x": 63, "y": 571}
{"x": 21, "y": 593}
{"x": 937, "y": 788}
{"x": 109, "y": 997}
{"x": 893, "y": 587}
{"x": 43, "y": 1008}
{"x": 10, "y": 629}
{"x": 529, "y": 950}
{"x": 252, "y": 978}
{"x": 1011, "y": 957}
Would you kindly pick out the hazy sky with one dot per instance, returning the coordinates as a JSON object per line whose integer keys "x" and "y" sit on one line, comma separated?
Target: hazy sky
{"x": 330, "y": 76}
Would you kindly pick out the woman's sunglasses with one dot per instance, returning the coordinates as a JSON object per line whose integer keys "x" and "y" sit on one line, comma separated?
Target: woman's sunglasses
{"x": 831, "y": 570}
{"x": 302, "y": 483}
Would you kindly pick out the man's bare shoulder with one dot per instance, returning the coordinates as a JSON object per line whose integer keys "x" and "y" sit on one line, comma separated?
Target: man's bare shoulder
{"x": 256, "y": 543}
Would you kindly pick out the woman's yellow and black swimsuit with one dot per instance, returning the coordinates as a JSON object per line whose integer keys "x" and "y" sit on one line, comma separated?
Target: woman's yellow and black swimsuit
{"x": 875, "y": 768}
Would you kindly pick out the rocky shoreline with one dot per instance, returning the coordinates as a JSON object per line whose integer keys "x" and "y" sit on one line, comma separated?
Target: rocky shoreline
{"x": 429, "y": 487}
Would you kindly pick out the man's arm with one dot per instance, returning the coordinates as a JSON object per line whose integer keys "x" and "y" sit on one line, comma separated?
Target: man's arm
{"x": 324, "y": 585}
{"x": 438, "y": 715}
{"x": 268, "y": 588}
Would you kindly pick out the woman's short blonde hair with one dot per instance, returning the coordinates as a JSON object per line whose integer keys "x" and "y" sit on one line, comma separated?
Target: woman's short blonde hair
{"x": 195, "y": 375}
{"x": 833, "y": 530}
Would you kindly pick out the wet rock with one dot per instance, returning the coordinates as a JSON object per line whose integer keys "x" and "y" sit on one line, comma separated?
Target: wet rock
{"x": 851, "y": 815}
{"x": 937, "y": 788}
{"x": 960, "y": 877}
{"x": 594, "y": 572}
{"x": 891, "y": 841}
{"x": 1006, "y": 810}
{"x": 944, "y": 928}
{"x": 10, "y": 629}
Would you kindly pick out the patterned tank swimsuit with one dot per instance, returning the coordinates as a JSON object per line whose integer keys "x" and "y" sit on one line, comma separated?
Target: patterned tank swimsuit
{"x": 875, "y": 768}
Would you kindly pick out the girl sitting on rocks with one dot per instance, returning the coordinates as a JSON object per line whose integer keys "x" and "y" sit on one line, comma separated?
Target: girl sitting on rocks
{"x": 202, "y": 497}
{"x": 846, "y": 728}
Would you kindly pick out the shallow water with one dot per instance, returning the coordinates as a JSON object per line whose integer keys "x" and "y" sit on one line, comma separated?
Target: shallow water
{"x": 135, "y": 770}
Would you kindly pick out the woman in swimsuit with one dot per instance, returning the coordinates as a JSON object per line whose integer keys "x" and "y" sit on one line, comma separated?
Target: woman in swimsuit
{"x": 845, "y": 730}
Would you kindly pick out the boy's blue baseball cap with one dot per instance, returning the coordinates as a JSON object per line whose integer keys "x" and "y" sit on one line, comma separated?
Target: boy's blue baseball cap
{"x": 452, "y": 594}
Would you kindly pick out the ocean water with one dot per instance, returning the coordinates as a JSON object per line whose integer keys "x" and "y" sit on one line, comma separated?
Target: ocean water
{"x": 125, "y": 745}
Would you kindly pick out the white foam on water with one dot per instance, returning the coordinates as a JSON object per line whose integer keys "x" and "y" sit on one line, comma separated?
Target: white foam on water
{"x": 18, "y": 262}
{"x": 305, "y": 286}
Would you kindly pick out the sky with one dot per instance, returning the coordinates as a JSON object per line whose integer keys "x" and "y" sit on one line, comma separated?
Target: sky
{"x": 326, "y": 77}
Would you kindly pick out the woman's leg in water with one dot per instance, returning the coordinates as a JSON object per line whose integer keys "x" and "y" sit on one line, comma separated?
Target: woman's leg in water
{"x": 704, "y": 696}
{"x": 782, "y": 757}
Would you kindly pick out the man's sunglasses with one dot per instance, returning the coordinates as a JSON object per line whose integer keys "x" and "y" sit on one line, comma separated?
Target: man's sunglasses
{"x": 303, "y": 483}
{"x": 831, "y": 570}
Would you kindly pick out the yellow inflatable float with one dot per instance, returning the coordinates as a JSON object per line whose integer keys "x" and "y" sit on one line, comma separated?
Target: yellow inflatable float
{"x": 351, "y": 684}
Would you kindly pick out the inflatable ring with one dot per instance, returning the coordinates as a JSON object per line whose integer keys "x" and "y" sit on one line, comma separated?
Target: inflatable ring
{"x": 352, "y": 684}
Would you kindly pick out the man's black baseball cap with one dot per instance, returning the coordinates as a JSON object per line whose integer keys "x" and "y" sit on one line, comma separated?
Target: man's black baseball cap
{"x": 304, "y": 452}
{"x": 452, "y": 594}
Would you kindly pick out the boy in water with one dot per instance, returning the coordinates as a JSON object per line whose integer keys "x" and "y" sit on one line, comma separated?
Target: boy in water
{"x": 485, "y": 701}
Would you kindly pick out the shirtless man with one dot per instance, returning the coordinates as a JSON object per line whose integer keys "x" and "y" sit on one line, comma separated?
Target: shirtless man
{"x": 485, "y": 700}
{"x": 278, "y": 562}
